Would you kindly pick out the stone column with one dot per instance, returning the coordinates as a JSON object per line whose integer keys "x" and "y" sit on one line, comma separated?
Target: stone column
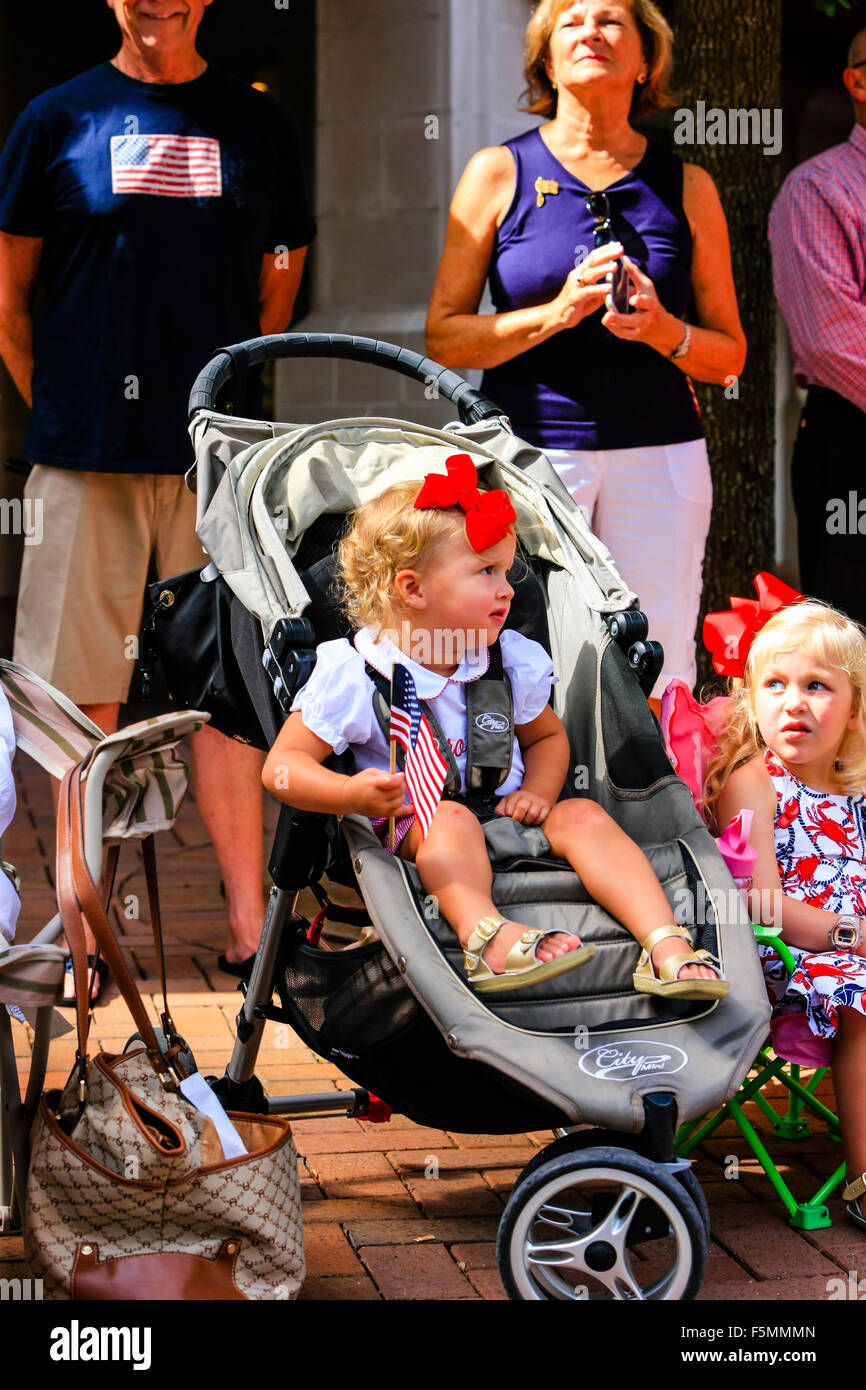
{"x": 405, "y": 96}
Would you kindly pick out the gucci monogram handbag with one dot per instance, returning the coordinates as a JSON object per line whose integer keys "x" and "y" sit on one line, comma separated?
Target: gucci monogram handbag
{"x": 139, "y": 1185}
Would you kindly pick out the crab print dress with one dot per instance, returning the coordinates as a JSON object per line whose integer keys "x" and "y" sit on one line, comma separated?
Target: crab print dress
{"x": 820, "y": 840}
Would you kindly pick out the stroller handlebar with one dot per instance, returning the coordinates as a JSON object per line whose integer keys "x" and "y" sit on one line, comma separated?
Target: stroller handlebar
{"x": 235, "y": 361}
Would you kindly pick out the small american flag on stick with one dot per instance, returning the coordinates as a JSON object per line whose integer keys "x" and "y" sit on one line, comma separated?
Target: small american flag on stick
{"x": 426, "y": 770}
{"x": 171, "y": 166}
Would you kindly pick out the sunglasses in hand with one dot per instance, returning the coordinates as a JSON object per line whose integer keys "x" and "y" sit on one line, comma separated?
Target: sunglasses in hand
{"x": 598, "y": 207}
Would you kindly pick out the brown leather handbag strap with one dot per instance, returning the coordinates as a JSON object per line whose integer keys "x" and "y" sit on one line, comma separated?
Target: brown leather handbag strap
{"x": 70, "y": 915}
{"x": 89, "y": 908}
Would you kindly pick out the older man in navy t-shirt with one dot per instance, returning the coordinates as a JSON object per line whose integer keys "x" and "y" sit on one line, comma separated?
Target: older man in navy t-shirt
{"x": 159, "y": 209}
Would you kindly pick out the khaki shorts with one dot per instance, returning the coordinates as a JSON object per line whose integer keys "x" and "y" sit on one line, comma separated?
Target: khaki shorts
{"x": 82, "y": 584}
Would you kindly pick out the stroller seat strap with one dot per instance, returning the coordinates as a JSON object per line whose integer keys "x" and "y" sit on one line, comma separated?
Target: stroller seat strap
{"x": 489, "y": 731}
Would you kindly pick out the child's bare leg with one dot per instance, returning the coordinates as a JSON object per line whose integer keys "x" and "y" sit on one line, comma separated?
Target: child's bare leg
{"x": 453, "y": 866}
{"x": 618, "y": 875}
{"x": 849, "y": 1068}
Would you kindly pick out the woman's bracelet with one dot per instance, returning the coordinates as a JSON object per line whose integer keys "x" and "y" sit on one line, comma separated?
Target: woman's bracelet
{"x": 683, "y": 346}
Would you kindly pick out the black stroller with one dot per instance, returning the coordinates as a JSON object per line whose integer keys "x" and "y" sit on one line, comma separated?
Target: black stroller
{"x": 604, "y": 1212}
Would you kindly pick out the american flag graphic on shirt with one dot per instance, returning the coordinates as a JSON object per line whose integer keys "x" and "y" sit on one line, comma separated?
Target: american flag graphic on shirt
{"x": 426, "y": 771}
{"x": 170, "y": 166}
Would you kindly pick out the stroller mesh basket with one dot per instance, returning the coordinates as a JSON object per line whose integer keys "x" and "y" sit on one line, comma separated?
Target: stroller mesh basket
{"x": 354, "y": 1008}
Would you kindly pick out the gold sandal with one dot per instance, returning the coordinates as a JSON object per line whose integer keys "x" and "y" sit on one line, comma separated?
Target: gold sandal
{"x": 666, "y": 980}
{"x": 522, "y": 966}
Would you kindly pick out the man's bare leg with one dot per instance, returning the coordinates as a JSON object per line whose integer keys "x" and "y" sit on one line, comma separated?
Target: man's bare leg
{"x": 227, "y": 777}
{"x": 105, "y": 716}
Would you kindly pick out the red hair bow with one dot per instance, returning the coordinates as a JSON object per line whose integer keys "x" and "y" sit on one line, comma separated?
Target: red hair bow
{"x": 728, "y": 636}
{"x": 489, "y": 515}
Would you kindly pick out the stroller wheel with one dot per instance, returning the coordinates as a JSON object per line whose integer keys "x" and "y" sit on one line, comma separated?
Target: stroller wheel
{"x": 696, "y": 1192}
{"x": 568, "y": 1141}
{"x": 604, "y": 1224}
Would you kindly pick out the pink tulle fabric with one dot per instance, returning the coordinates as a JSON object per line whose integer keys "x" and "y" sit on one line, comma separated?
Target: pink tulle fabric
{"x": 733, "y": 845}
{"x": 691, "y": 733}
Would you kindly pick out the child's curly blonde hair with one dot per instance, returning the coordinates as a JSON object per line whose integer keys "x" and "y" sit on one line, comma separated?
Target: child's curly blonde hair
{"x": 820, "y": 631}
{"x": 385, "y": 536}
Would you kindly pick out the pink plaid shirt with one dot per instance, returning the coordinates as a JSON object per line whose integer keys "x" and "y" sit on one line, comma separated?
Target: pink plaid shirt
{"x": 818, "y": 239}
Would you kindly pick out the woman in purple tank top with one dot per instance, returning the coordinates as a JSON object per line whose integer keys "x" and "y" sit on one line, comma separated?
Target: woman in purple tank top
{"x": 596, "y": 243}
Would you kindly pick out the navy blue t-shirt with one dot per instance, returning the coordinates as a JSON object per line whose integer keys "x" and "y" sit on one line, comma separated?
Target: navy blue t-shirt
{"x": 156, "y": 203}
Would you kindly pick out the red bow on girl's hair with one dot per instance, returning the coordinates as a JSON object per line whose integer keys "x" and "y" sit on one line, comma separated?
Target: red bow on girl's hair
{"x": 729, "y": 636}
{"x": 489, "y": 515}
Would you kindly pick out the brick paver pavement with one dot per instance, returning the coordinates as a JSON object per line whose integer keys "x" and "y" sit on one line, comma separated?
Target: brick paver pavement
{"x": 396, "y": 1211}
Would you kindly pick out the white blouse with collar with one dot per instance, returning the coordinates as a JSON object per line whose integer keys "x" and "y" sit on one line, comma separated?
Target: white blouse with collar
{"x": 337, "y": 701}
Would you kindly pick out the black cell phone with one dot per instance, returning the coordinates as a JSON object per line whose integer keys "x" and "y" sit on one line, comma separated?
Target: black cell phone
{"x": 620, "y": 291}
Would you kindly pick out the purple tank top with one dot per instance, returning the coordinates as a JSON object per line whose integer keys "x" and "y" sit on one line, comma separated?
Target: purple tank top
{"x": 583, "y": 388}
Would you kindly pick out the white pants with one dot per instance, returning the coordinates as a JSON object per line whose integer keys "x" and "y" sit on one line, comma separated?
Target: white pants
{"x": 651, "y": 508}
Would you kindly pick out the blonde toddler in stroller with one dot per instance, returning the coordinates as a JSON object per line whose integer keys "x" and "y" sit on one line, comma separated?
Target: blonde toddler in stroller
{"x": 425, "y": 572}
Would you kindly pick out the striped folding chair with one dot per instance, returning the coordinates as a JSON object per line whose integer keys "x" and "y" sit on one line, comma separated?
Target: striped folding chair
{"x": 135, "y": 781}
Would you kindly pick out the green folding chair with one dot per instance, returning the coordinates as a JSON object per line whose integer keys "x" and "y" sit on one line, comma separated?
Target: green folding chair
{"x": 809, "y": 1215}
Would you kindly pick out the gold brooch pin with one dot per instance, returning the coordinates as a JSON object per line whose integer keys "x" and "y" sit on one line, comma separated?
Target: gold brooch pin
{"x": 545, "y": 187}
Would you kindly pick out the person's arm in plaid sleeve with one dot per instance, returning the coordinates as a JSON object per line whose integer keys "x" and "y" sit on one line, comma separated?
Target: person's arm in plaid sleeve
{"x": 817, "y": 273}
